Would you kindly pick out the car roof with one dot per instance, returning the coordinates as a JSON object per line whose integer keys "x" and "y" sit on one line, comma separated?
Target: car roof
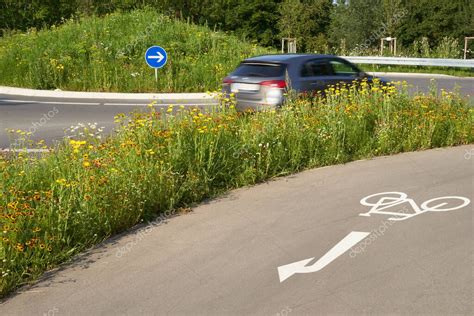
{"x": 284, "y": 58}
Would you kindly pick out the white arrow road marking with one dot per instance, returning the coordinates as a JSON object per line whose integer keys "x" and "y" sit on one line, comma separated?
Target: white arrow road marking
{"x": 159, "y": 57}
{"x": 286, "y": 271}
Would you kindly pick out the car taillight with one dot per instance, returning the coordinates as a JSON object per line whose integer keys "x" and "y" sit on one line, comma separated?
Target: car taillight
{"x": 274, "y": 83}
{"x": 227, "y": 80}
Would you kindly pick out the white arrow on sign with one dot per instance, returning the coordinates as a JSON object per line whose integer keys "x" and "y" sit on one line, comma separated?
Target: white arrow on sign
{"x": 286, "y": 271}
{"x": 159, "y": 57}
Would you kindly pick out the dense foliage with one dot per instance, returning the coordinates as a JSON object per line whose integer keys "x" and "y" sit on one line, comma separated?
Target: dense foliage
{"x": 319, "y": 25}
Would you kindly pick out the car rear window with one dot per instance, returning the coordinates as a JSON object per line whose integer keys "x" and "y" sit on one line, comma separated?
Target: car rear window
{"x": 260, "y": 70}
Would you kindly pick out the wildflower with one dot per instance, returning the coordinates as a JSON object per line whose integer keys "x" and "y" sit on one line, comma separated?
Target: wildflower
{"x": 19, "y": 247}
{"x": 86, "y": 164}
{"x": 61, "y": 181}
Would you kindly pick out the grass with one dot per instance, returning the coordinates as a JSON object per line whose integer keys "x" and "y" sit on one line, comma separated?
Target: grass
{"x": 107, "y": 54}
{"x": 53, "y": 206}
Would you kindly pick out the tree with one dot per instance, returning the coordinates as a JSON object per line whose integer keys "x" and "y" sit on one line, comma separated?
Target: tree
{"x": 393, "y": 14}
{"x": 436, "y": 19}
{"x": 255, "y": 19}
{"x": 21, "y": 15}
{"x": 293, "y": 19}
{"x": 307, "y": 21}
{"x": 356, "y": 23}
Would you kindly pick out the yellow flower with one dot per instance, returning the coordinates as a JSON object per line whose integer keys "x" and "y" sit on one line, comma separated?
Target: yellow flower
{"x": 86, "y": 164}
{"x": 61, "y": 181}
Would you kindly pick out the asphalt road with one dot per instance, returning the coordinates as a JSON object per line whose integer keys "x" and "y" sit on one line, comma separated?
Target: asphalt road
{"x": 224, "y": 257}
{"x": 28, "y": 113}
{"x": 422, "y": 83}
{"x": 48, "y": 118}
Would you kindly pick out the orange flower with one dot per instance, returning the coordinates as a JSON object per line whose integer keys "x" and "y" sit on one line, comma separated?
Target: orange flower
{"x": 19, "y": 247}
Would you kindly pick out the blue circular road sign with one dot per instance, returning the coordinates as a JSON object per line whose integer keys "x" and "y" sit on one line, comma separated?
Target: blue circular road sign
{"x": 156, "y": 57}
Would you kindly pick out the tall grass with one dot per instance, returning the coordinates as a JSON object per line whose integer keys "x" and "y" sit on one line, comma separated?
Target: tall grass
{"x": 56, "y": 205}
{"x": 107, "y": 54}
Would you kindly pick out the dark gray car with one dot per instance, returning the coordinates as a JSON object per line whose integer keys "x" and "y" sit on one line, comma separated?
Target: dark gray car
{"x": 260, "y": 82}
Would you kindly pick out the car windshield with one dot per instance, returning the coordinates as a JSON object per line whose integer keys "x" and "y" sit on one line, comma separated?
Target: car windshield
{"x": 260, "y": 70}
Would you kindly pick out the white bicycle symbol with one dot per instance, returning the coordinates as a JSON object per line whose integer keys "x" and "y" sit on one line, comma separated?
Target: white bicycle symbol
{"x": 390, "y": 199}
{"x": 468, "y": 154}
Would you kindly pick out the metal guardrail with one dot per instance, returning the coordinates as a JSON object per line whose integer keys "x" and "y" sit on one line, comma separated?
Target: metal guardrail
{"x": 434, "y": 62}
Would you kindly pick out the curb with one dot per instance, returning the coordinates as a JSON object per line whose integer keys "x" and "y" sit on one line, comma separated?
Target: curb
{"x": 104, "y": 95}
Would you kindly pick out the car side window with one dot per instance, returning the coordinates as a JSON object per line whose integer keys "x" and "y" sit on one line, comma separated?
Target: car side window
{"x": 340, "y": 68}
{"x": 314, "y": 68}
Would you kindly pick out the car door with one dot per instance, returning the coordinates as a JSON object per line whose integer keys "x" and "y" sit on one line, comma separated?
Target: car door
{"x": 314, "y": 75}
